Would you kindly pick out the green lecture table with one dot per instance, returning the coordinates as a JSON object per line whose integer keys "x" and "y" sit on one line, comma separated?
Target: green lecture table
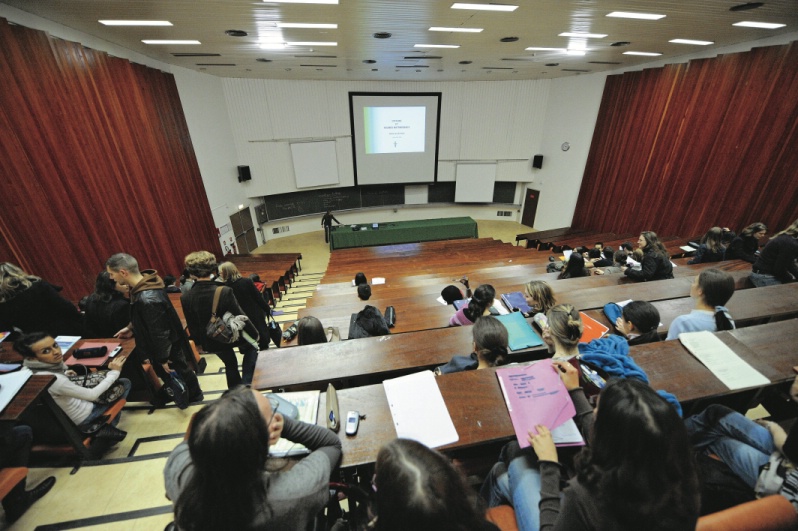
{"x": 423, "y": 230}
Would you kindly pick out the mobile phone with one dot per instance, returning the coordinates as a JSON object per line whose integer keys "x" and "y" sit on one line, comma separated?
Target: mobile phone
{"x": 352, "y": 422}
{"x": 114, "y": 352}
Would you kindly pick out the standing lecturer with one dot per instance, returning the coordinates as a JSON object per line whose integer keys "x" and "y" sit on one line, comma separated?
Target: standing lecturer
{"x": 326, "y": 222}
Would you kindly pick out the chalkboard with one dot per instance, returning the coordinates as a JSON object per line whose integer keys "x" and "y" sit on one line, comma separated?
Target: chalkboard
{"x": 293, "y": 204}
{"x": 504, "y": 192}
{"x": 371, "y": 196}
{"x": 441, "y": 193}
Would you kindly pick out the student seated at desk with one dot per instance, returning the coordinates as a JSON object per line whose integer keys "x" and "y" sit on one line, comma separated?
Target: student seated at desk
{"x": 575, "y": 267}
{"x": 619, "y": 260}
{"x": 776, "y": 264}
{"x": 711, "y": 289}
{"x": 637, "y": 321}
{"x": 106, "y": 310}
{"x": 539, "y": 297}
{"x": 655, "y": 264}
{"x": 42, "y": 354}
{"x": 310, "y": 331}
{"x": 747, "y": 447}
{"x": 418, "y": 488}
{"x": 746, "y": 245}
{"x": 220, "y": 478}
{"x": 562, "y": 331}
{"x": 636, "y": 472}
{"x": 711, "y": 248}
{"x": 479, "y": 305}
{"x": 491, "y": 343}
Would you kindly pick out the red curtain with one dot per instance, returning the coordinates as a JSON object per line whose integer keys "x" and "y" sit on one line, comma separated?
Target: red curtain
{"x": 95, "y": 159}
{"x": 685, "y": 147}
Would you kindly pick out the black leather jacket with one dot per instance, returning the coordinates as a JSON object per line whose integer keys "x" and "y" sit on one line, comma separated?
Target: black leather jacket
{"x": 654, "y": 266}
{"x": 156, "y": 325}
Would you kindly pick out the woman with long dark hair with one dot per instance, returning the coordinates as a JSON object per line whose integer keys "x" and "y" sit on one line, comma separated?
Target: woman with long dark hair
{"x": 575, "y": 267}
{"x": 711, "y": 248}
{"x": 106, "y": 310}
{"x": 310, "y": 331}
{"x": 776, "y": 264}
{"x": 636, "y": 472}
{"x": 656, "y": 264}
{"x": 746, "y": 245}
{"x": 711, "y": 290}
{"x": 418, "y": 488}
{"x": 479, "y": 305}
{"x": 219, "y": 478}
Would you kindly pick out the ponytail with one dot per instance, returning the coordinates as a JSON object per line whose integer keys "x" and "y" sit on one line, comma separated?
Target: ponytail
{"x": 480, "y": 301}
{"x": 723, "y": 319}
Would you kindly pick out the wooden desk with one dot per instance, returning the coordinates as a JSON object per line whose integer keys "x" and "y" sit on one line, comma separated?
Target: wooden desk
{"x": 30, "y": 393}
{"x": 478, "y": 410}
{"x": 367, "y": 361}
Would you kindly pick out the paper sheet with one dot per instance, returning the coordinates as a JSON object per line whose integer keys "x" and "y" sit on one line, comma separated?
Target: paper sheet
{"x": 66, "y": 342}
{"x": 440, "y": 299}
{"x": 566, "y": 255}
{"x": 377, "y": 280}
{"x": 10, "y": 384}
{"x": 567, "y": 434}
{"x": 308, "y": 404}
{"x": 418, "y": 409}
{"x": 687, "y": 248}
{"x": 724, "y": 363}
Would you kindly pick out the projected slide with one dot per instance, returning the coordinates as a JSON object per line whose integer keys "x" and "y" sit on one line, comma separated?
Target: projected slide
{"x": 394, "y": 129}
{"x": 395, "y": 137}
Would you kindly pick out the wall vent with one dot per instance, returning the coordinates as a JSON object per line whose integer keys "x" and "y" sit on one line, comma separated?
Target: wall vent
{"x": 278, "y": 230}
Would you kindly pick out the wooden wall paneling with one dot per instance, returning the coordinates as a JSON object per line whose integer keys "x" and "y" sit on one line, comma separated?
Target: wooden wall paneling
{"x": 99, "y": 160}
{"x": 685, "y": 147}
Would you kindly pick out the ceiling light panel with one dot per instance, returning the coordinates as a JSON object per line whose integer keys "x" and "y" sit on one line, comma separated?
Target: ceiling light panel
{"x": 762, "y": 25}
{"x": 437, "y": 46}
{"x": 135, "y": 22}
{"x": 485, "y": 7}
{"x": 644, "y": 54}
{"x": 691, "y": 41}
{"x": 301, "y": 1}
{"x": 584, "y": 35}
{"x": 166, "y": 41}
{"x": 638, "y": 16}
{"x": 306, "y": 26}
{"x": 456, "y": 30}
{"x": 312, "y": 43}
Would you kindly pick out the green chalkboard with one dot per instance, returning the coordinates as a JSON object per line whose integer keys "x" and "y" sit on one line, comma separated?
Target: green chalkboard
{"x": 441, "y": 193}
{"x": 280, "y": 206}
{"x": 504, "y": 192}
{"x": 371, "y": 196}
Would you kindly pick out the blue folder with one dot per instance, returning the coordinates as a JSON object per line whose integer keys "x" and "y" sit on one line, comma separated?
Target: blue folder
{"x": 520, "y": 331}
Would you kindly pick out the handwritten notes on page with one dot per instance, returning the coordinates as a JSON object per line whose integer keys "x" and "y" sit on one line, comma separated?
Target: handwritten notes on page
{"x": 534, "y": 395}
{"x": 418, "y": 409}
{"x": 724, "y": 363}
{"x": 307, "y": 403}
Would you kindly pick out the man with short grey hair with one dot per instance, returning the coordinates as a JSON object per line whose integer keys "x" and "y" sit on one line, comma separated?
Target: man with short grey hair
{"x": 157, "y": 328}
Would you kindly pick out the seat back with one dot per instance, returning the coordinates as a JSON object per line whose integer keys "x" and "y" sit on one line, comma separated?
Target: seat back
{"x": 771, "y": 513}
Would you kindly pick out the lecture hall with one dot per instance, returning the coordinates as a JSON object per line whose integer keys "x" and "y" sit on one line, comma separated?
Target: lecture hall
{"x": 480, "y": 164}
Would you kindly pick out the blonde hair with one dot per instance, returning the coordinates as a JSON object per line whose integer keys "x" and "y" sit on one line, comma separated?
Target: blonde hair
{"x": 792, "y": 230}
{"x": 229, "y": 271}
{"x": 14, "y": 280}
{"x": 565, "y": 324}
{"x": 542, "y": 293}
{"x": 200, "y": 264}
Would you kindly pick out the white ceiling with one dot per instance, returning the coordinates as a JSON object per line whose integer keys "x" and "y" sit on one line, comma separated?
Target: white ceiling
{"x": 535, "y": 23}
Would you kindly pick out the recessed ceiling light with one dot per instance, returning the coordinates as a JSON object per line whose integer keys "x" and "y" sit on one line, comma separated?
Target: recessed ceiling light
{"x": 369, "y": 61}
{"x": 236, "y": 33}
{"x": 536, "y": 49}
{"x": 382, "y": 35}
{"x": 306, "y": 26}
{"x": 746, "y": 7}
{"x": 552, "y": 64}
{"x": 508, "y": 39}
{"x": 640, "y": 16}
{"x": 485, "y": 7}
{"x": 437, "y": 46}
{"x": 458, "y": 30}
{"x": 135, "y": 22}
{"x": 312, "y": 43}
{"x": 763, "y": 25}
{"x": 621, "y": 43}
{"x": 465, "y": 63}
{"x": 645, "y": 54}
{"x": 302, "y": 1}
{"x": 584, "y": 35}
{"x": 263, "y": 60}
{"x": 691, "y": 41}
{"x": 156, "y": 41}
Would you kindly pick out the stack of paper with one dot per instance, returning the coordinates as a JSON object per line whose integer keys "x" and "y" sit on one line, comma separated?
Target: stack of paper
{"x": 418, "y": 410}
{"x": 535, "y": 395}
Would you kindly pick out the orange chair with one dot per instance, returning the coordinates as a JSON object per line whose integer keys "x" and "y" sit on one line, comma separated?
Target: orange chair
{"x": 10, "y": 478}
{"x": 503, "y": 517}
{"x": 78, "y": 443}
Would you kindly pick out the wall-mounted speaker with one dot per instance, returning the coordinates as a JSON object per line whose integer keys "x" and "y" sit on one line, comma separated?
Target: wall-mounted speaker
{"x": 537, "y": 161}
{"x": 244, "y": 174}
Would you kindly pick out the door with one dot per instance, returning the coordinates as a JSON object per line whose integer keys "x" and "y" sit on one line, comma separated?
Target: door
{"x": 244, "y": 231}
{"x": 530, "y": 207}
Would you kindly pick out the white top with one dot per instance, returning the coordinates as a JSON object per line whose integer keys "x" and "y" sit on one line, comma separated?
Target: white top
{"x": 695, "y": 321}
{"x": 76, "y": 401}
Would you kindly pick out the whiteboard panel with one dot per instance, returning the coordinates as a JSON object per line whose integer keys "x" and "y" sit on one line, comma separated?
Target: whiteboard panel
{"x": 416, "y": 194}
{"x": 475, "y": 183}
{"x": 315, "y": 163}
